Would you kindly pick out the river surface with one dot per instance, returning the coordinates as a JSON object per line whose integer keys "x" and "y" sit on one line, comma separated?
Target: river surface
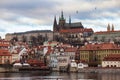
{"x": 59, "y": 76}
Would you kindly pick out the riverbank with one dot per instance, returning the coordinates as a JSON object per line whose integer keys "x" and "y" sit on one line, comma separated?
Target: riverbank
{"x": 81, "y": 70}
{"x": 24, "y": 70}
{"x": 99, "y": 70}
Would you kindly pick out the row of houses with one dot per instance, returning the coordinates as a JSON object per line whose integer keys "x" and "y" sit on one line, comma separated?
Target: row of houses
{"x": 60, "y": 56}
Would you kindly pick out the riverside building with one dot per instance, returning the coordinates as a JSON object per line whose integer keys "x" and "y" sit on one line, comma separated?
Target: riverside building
{"x": 94, "y": 53}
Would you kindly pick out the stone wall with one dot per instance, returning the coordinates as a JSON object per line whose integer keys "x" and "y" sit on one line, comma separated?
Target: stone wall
{"x": 29, "y": 34}
{"x": 100, "y": 70}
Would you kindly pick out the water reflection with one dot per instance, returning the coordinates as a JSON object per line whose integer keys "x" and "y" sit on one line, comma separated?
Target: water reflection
{"x": 55, "y": 75}
{"x": 112, "y": 76}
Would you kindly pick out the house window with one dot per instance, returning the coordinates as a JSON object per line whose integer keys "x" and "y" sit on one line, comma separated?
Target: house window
{"x": 80, "y": 64}
{"x": 107, "y": 65}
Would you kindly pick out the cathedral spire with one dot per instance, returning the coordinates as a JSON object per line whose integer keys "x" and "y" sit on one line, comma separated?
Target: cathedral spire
{"x": 112, "y": 27}
{"x": 61, "y": 20}
{"x": 55, "y": 24}
{"x": 62, "y": 15}
{"x": 108, "y": 27}
{"x": 55, "y": 21}
{"x": 69, "y": 19}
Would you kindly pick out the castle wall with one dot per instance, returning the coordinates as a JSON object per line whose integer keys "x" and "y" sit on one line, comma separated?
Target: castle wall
{"x": 28, "y": 35}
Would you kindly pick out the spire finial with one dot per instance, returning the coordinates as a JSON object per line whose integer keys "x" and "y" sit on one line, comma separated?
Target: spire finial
{"x": 55, "y": 24}
{"x": 62, "y": 17}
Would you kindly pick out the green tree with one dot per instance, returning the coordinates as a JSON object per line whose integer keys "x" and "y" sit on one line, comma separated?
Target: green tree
{"x": 24, "y": 38}
{"x": 33, "y": 40}
{"x": 95, "y": 38}
{"x": 40, "y": 39}
{"x": 103, "y": 38}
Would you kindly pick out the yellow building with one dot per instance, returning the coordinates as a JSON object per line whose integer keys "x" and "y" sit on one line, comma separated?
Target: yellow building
{"x": 95, "y": 53}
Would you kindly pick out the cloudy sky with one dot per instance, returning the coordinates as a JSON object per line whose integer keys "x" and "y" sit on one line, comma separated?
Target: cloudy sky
{"x": 25, "y": 15}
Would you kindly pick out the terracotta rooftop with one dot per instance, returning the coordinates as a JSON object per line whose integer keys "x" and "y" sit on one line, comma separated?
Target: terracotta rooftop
{"x": 112, "y": 57}
{"x": 71, "y": 49}
{"x": 4, "y": 43}
{"x": 106, "y": 32}
{"x": 80, "y": 30}
{"x": 4, "y": 53}
{"x": 101, "y": 46}
{"x": 49, "y": 50}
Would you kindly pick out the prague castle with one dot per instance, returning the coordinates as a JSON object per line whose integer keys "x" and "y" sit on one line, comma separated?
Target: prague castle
{"x": 105, "y": 36}
{"x": 72, "y": 33}
{"x": 63, "y": 25}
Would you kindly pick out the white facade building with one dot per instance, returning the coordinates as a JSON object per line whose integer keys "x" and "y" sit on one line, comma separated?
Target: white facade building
{"x": 112, "y": 60}
{"x": 110, "y": 63}
{"x": 82, "y": 65}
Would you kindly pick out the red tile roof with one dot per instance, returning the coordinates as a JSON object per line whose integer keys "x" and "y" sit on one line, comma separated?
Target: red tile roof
{"x": 3, "y": 50}
{"x": 4, "y": 43}
{"x": 80, "y": 30}
{"x": 101, "y": 46}
{"x": 4, "y": 53}
{"x": 71, "y": 49}
{"x": 49, "y": 52}
{"x": 106, "y": 32}
{"x": 112, "y": 57}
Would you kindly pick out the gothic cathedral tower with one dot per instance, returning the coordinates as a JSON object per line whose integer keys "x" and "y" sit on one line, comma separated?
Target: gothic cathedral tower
{"x": 108, "y": 27}
{"x": 62, "y": 21}
{"x": 55, "y": 26}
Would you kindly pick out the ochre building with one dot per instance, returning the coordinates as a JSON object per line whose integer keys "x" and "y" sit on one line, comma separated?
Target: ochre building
{"x": 94, "y": 53}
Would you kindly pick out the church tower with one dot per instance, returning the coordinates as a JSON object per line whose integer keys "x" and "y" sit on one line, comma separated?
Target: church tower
{"x": 61, "y": 21}
{"x": 69, "y": 20}
{"x": 108, "y": 27}
{"x": 55, "y": 26}
{"x": 112, "y": 27}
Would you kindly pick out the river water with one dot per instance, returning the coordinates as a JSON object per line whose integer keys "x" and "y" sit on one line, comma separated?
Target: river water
{"x": 59, "y": 76}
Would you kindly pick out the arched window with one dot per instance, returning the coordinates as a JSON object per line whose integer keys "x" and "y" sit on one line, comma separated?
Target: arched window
{"x": 114, "y": 65}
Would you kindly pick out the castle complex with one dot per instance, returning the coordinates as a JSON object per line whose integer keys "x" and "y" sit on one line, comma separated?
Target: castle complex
{"x": 105, "y": 36}
{"x": 63, "y": 25}
{"x": 73, "y": 45}
{"x": 72, "y": 33}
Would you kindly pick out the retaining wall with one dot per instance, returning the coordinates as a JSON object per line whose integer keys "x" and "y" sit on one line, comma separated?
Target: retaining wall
{"x": 100, "y": 70}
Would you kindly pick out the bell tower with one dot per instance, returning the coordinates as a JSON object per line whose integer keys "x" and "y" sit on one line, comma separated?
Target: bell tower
{"x": 55, "y": 26}
{"x": 108, "y": 27}
{"x": 112, "y": 27}
{"x": 61, "y": 21}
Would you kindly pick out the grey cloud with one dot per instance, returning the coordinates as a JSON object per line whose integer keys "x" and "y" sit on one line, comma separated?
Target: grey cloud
{"x": 40, "y": 9}
{"x": 2, "y": 30}
{"x": 45, "y": 10}
{"x": 28, "y": 4}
